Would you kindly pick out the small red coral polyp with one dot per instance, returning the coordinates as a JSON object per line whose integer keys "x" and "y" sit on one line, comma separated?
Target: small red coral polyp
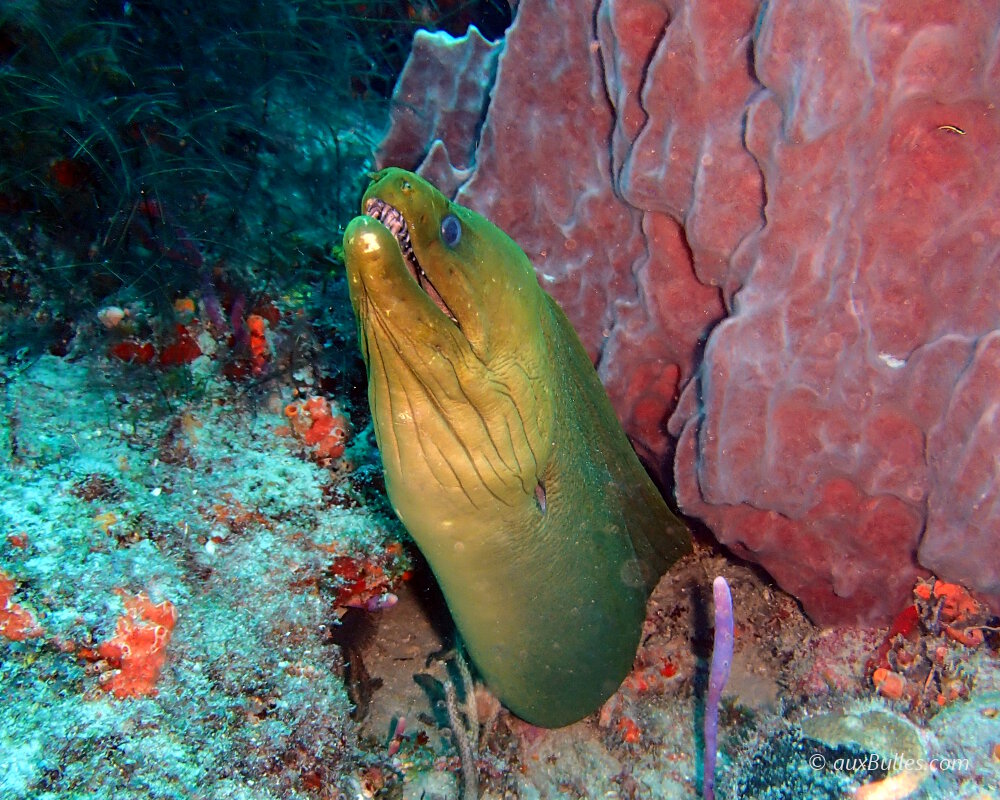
{"x": 19, "y": 540}
{"x": 130, "y": 662}
{"x": 629, "y": 730}
{"x": 906, "y": 625}
{"x": 183, "y": 350}
{"x": 16, "y": 622}
{"x": 357, "y": 580}
{"x": 361, "y": 584}
{"x": 131, "y": 350}
{"x": 69, "y": 173}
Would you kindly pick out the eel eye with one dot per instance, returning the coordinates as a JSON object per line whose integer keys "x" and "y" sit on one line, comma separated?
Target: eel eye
{"x": 451, "y": 230}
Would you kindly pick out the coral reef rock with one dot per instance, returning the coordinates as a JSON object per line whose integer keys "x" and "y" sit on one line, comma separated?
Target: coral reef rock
{"x": 775, "y": 226}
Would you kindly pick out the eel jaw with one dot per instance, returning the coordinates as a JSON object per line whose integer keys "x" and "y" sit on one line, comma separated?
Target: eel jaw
{"x": 396, "y": 223}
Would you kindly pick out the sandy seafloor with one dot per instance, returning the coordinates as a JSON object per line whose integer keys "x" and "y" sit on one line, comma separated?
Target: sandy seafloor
{"x": 120, "y": 479}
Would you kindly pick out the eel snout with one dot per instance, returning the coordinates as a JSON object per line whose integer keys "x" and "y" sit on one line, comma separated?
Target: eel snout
{"x": 393, "y": 219}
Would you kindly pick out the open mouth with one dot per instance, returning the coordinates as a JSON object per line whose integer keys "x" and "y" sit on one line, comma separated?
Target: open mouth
{"x": 393, "y": 220}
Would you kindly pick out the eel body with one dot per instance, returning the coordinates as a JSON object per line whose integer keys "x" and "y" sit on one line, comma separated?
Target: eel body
{"x": 502, "y": 454}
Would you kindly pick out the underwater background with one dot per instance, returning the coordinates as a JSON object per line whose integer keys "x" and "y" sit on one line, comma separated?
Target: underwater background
{"x": 774, "y": 226}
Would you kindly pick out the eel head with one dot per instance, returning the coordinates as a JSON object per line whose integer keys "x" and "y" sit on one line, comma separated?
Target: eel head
{"x": 448, "y": 310}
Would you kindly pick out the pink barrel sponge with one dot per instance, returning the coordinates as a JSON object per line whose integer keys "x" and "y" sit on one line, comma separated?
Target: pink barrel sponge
{"x": 775, "y": 229}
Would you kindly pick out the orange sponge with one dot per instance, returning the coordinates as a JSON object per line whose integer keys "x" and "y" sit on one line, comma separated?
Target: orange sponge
{"x": 137, "y": 652}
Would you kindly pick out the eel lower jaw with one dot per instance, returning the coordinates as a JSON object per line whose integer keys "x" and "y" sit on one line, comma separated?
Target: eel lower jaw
{"x": 396, "y": 223}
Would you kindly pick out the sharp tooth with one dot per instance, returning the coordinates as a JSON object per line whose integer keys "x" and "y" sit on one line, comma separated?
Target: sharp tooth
{"x": 396, "y": 223}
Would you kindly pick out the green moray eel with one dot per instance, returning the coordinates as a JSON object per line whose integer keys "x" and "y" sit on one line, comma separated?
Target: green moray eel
{"x": 502, "y": 454}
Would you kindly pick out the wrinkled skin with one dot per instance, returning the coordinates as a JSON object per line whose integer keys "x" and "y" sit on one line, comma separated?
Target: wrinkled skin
{"x": 502, "y": 455}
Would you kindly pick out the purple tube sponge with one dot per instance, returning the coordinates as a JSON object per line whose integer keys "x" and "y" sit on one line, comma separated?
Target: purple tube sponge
{"x": 722, "y": 659}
